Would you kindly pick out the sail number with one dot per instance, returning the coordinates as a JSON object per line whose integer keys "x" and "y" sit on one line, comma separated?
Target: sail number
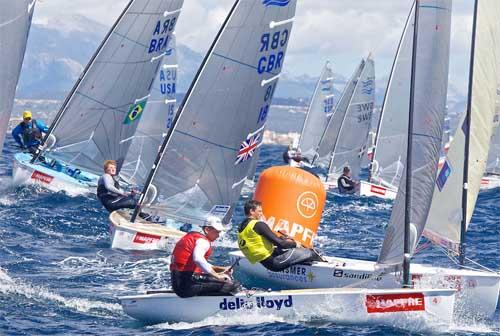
{"x": 365, "y": 112}
{"x": 157, "y": 43}
{"x": 272, "y": 42}
{"x": 264, "y": 110}
{"x": 328, "y": 105}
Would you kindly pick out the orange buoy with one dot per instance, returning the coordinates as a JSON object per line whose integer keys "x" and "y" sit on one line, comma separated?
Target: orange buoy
{"x": 292, "y": 201}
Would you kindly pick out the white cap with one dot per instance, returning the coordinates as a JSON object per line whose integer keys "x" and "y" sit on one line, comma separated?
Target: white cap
{"x": 214, "y": 222}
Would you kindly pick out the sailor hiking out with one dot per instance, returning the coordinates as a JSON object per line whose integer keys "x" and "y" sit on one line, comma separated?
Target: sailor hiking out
{"x": 192, "y": 274}
{"x": 28, "y": 134}
{"x": 260, "y": 244}
{"x": 109, "y": 192}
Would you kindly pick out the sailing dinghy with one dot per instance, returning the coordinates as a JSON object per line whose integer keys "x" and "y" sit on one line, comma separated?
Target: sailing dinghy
{"x": 349, "y": 126}
{"x": 394, "y": 307}
{"x": 106, "y": 103}
{"x": 15, "y": 22}
{"x": 478, "y": 290}
{"x": 212, "y": 147}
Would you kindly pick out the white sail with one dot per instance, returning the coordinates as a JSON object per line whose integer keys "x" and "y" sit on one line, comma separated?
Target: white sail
{"x": 106, "y": 104}
{"x": 331, "y": 132}
{"x": 15, "y": 22}
{"x": 444, "y": 221}
{"x": 158, "y": 117}
{"x": 430, "y": 89}
{"x": 390, "y": 144}
{"x": 317, "y": 116}
{"x": 350, "y": 145}
{"x": 209, "y": 153}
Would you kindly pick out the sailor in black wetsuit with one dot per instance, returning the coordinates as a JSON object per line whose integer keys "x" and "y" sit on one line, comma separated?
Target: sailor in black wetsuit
{"x": 109, "y": 192}
{"x": 259, "y": 244}
{"x": 345, "y": 183}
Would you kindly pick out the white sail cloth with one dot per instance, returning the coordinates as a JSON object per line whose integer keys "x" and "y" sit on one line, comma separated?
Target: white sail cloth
{"x": 317, "y": 116}
{"x": 444, "y": 221}
{"x": 158, "y": 117}
{"x": 350, "y": 145}
{"x": 430, "y": 90}
{"x": 210, "y": 150}
{"x": 392, "y": 134}
{"x": 15, "y": 22}
{"x": 331, "y": 132}
{"x": 106, "y": 105}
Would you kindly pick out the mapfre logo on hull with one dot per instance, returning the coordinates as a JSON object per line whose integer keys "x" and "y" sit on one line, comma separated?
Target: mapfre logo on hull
{"x": 41, "y": 177}
{"x": 390, "y": 303}
{"x": 144, "y": 238}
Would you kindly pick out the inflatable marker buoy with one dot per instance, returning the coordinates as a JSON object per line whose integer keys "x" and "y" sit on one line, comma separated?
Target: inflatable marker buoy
{"x": 292, "y": 201}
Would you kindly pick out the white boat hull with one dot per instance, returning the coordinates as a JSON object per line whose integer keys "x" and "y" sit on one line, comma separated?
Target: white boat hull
{"x": 369, "y": 189}
{"x": 141, "y": 235}
{"x": 490, "y": 182}
{"x": 477, "y": 291}
{"x": 402, "y": 308}
{"x": 24, "y": 172}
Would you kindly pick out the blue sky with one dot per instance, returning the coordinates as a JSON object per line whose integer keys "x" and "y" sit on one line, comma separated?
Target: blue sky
{"x": 341, "y": 31}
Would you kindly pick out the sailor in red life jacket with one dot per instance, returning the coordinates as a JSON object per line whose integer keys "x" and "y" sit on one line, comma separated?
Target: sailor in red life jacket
{"x": 192, "y": 274}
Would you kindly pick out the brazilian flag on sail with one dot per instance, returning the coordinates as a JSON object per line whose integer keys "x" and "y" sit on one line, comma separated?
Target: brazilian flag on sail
{"x": 134, "y": 113}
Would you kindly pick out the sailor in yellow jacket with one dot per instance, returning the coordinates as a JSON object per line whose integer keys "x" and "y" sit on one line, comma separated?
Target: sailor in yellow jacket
{"x": 260, "y": 244}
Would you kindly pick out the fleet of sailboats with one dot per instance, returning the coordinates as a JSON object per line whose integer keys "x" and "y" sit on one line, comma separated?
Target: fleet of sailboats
{"x": 434, "y": 305}
{"x": 190, "y": 167}
{"x": 415, "y": 202}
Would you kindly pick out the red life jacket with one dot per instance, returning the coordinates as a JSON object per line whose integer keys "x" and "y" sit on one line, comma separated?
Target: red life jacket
{"x": 182, "y": 256}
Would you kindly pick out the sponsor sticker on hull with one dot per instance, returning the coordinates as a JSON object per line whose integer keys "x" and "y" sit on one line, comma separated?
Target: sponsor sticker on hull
{"x": 41, "y": 177}
{"x": 378, "y": 190}
{"x": 258, "y": 303}
{"x": 144, "y": 238}
{"x": 391, "y": 303}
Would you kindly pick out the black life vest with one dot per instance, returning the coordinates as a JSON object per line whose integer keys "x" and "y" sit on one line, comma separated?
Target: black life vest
{"x": 102, "y": 192}
{"x": 31, "y": 134}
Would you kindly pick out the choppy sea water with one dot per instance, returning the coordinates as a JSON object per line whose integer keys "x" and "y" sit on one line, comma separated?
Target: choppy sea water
{"x": 58, "y": 275}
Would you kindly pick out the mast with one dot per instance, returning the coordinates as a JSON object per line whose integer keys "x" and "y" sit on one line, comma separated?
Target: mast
{"x": 468, "y": 118}
{"x": 64, "y": 106}
{"x": 382, "y": 109}
{"x": 409, "y": 166}
{"x": 164, "y": 145}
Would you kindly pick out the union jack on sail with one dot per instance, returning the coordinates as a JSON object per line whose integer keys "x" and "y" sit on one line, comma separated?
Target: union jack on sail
{"x": 248, "y": 147}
